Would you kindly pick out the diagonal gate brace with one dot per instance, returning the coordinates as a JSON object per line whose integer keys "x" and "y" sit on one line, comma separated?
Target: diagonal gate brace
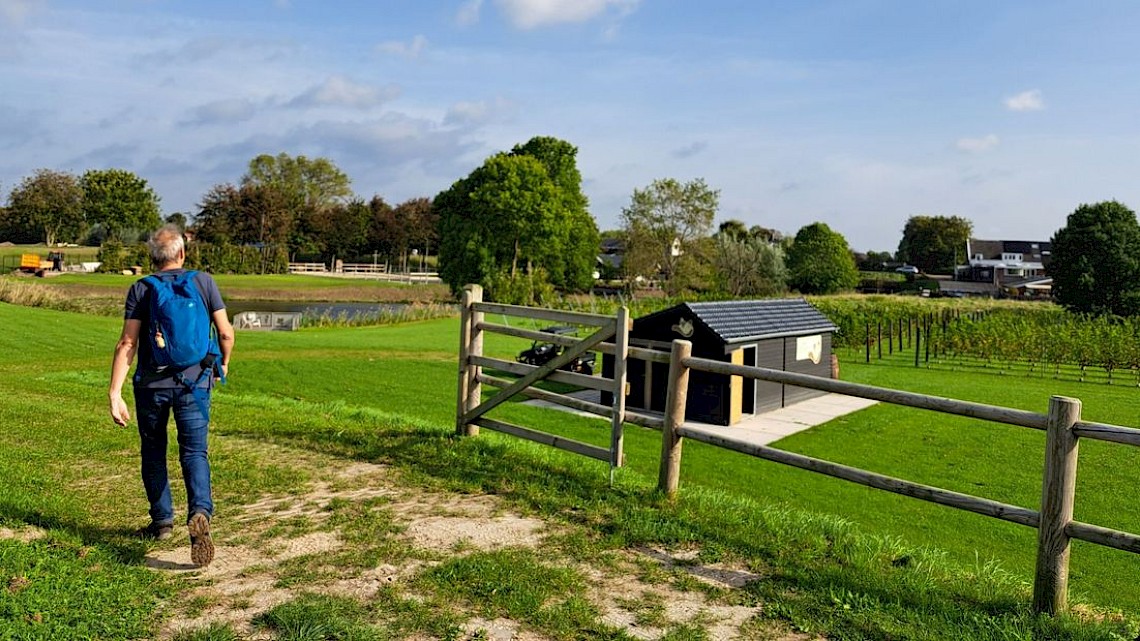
{"x": 603, "y": 333}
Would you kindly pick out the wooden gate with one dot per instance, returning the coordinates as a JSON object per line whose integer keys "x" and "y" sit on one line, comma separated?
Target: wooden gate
{"x": 610, "y": 336}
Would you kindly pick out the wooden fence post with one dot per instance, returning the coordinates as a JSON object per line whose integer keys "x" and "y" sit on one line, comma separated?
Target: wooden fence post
{"x": 1051, "y": 582}
{"x": 470, "y": 344}
{"x": 917, "y": 332}
{"x": 675, "y": 401}
{"x": 623, "y": 323}
{"x": 879, "y": 340}
{"x": 867, "y": 338}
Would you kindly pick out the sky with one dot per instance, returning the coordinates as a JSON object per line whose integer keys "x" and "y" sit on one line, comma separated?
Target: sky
{"x": 856, "y": 113}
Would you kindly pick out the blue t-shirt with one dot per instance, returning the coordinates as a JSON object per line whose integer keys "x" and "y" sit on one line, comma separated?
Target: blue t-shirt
{"x": 137, "y": 307}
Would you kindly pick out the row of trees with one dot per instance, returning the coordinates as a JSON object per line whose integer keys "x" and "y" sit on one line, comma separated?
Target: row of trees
{"x": 60, "y": 207}
{"x": 307, "y": 206}
{"x": 667, "y": 231}
{"x": 302, "y": 206}
{"x": 519, "y": 224}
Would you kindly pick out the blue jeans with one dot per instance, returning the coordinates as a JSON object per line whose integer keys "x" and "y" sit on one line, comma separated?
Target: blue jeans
{"x": 153, "y": 407}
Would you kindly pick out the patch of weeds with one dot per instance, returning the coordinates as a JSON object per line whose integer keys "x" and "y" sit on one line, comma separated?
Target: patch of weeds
{"x": 648, "y": 609}
{"x": 289, "y": 527}
{"x": 364, "y": 521}
{"x": 319, "y": 618}
{"x": 510, "y": 582}
{"x": 212, "y": 632}
{"x": 306, "y": 569}
{"x": 582, "y": 545}
{"x": 686, "y": 582}
{"x": 405, "y": 616}
{"x": 513, "y": 583}
{"x": 651, "y": 572}
{"x": 196, "y": 605}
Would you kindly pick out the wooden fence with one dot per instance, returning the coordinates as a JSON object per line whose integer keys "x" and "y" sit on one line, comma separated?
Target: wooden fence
{"x": 302, "y": 268}
{"x": 1062, "y": 425}
{"x": 611, "y": 336}
{"x": 364, "y": 268}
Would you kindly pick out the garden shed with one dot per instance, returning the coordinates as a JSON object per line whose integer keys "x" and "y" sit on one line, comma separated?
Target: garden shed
{"x": 785, "y": 333}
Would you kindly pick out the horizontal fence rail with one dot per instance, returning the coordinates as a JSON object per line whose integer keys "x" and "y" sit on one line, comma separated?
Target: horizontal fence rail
{"x": 1063, "y": 429}
{"x": 982, "y": 411}
{"x": 553, "y": 315}
{"x": 364, "y": 268}
{"x": 640, "y": 353}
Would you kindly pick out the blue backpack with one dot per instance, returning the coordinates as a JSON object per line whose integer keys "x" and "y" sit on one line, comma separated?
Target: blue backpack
{"x": 180, "y": 333}
{"x": 180, "y": 329}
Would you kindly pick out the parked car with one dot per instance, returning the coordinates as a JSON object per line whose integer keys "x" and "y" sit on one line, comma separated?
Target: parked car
{"x": 541, "y": 352}
{"x": 907, "y": 269}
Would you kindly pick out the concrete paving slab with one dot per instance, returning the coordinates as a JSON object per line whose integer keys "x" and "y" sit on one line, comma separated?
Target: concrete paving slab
{"x": 758, "y": 429}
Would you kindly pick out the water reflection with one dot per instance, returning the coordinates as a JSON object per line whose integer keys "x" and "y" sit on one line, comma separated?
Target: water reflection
{"x": 316, "y": 310}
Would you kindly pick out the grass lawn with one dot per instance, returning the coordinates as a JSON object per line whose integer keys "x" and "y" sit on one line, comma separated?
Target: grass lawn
{"x": 887, "y": 568}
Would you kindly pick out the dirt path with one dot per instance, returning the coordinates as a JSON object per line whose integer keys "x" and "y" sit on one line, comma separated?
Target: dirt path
{"x": 271, "y": 550}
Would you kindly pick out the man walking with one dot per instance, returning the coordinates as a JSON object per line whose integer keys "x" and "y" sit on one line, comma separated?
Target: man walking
{"x": 164, "y": 313}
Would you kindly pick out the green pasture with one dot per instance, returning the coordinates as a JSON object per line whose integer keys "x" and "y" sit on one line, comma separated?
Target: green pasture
{"x": 838, "y": 560}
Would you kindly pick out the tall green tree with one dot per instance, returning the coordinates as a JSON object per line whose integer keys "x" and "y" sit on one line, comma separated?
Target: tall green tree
{"x": 342, "y": 229}
{"x": 935, "y": 243}
{"x": 664, "y": 224}
{"x": 511, "y": 218}
{"x": 819, "y": 261}
{"x": 732, "y": 228}
{"x": 748, "y": 266}
{"x": 250, "y": 214}
{"x": 304, "y": 188}
{"x": 572, "y": 268}
{"x": 48, "y": 205}
{"x": 1095, "y": 261}
{"x": 119, "y": 201}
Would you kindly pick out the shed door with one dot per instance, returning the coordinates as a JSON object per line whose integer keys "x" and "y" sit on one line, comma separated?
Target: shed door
{"x": 748, "y": 396}
{"x": 769, "y": 395}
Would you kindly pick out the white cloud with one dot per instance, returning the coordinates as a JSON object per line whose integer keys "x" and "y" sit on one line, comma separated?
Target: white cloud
{"x": 1025, "y": 101}
{"x": 530, "y": 14}
{"x": 477, "y": 113}
{"x": 15, "y": 11}
{"x": 223, "y": 112}
{"x": 977, "y": 145}
{"x": 468, "y": 13}
{"x": 411, "y": 49}
{"x": 339, "y": 91}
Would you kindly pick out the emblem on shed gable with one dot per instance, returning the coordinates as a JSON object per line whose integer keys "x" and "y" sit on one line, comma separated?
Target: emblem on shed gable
{"x": 809, "y": 348}
{"x": 684, "y": 327}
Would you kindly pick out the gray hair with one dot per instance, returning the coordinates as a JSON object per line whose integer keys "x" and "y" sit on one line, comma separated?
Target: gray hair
{"x": 165, "y": 244}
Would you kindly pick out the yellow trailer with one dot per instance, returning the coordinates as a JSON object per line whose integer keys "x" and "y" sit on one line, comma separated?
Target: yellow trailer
{"x": 30, "y": 263}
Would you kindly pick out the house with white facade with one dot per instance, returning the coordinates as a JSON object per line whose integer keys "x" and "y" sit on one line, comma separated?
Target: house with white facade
{"x": 1016, "y": 266}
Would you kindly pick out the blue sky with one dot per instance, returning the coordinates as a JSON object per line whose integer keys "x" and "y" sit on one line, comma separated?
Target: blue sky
{"x": 857, "y": 113}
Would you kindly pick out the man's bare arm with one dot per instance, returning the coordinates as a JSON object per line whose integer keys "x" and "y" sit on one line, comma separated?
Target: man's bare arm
{"x": 125, "y": 351}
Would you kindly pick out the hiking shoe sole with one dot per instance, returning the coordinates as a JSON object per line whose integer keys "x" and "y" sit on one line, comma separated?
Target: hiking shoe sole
{"x": 201, "y": 545}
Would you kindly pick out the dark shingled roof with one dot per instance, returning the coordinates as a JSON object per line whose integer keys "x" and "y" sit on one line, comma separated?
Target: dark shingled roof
{"x": 738, "y": 320}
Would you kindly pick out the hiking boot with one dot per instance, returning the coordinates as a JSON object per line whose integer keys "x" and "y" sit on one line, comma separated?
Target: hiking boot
{"x": 157, "y": 531}
{"x": 201, "y": 545}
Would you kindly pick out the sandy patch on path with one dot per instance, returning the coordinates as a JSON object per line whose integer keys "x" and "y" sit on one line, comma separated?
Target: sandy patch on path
{"x": 242, "y": 581}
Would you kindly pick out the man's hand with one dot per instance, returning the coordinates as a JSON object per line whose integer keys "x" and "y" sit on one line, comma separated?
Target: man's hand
{"x": 119, "y": 412}
{"x": 225, "y": 372}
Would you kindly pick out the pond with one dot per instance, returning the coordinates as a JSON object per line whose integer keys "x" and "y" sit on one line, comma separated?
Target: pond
{"x": 315, "y": 310}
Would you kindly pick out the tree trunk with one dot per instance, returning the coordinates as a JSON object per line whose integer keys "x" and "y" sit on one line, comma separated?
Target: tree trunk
{"x": 515, "y": 260}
